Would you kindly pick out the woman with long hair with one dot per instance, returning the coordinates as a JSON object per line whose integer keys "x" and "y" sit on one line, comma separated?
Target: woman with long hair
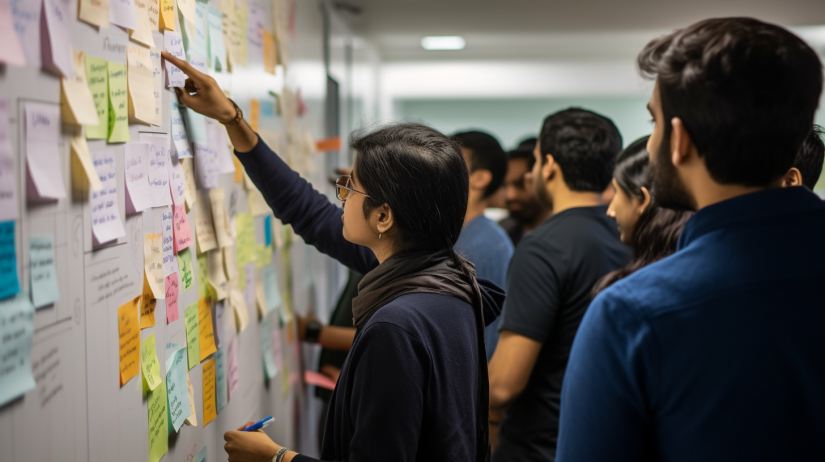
{"x": 414, "y": 385}
{"x": 651, "y": 231}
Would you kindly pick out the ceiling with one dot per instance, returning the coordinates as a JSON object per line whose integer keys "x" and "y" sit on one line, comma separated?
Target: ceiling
{"x": 549, "y": 29}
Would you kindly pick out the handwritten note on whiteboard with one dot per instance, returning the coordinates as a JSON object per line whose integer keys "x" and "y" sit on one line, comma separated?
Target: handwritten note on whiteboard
{"x": 42, "y": 155}
{"x": 57, "y": 50}
{"x": 173, "y": 44}
{"x": 179, "y": 137}
{"x": 122, "y": 13}
{"x": 16, "y": 334}
{"x": 172, "y": 287}
{"x": 97, "y": 75}
{"x": 158, "y": 425}
{"x": 141, "y": 85}
{"x": 129, "y": 333}
{"x": 149, "y": 365}
{"x": 204, "y": 230}
{"x": 118, "y": 104}
{"x": 185, "y": 269}
{"x": 177, "y": 182}
{"x": 45, "y": 290}
{"x": 206, "y": 166}
{"x": 176, "y": 388}
{"x": 209, "y": 412}
{"x": 106, "y": 222}
{"x": 157, "y": 85}
{"x": 142, "y": 32}
{"x": 190, "y": 316}
{"x": 159, "y": 187}
{"x": 94, "y": 12}
{"x": 153, "y": 263}
{"x": 78, "y": 106}
{"x": 183, "y": 233}
{"x": 206, "y": 334}
{"x": 170, "y": 263}
{"x": 136, "y": 160}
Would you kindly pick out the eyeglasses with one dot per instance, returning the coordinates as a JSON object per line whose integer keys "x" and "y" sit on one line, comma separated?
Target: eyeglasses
{"x": 343, "y": 188}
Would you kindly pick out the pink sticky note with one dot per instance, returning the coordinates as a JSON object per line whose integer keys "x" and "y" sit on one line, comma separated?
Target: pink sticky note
{"x": 11, "y": 52}
{"x": 172, "y": 298}
{"x": 183, "y": 233}
{"x": 232, "y": 375}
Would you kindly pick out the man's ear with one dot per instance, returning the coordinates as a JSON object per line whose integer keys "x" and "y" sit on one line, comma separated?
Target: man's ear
{"x": 793, "y": 177}
{"x": 480, "y": 178}
{"x": 681, "y": 145}
{"x": 549, "y": 167}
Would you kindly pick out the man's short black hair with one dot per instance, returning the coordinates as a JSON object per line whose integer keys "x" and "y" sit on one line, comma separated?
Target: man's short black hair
{"x": 485, "y": 154}
{"x": 810, "y": 157}
{"x": 524, "y": 150}
{"x": 745, "y": 90}
{"x": 584, "y": 144}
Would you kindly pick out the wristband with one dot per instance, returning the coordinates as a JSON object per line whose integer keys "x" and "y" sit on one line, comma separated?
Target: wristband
{"x": 279, "y": 456}
{"x": 238, "y": 115}
{"x": 313, "y": 331}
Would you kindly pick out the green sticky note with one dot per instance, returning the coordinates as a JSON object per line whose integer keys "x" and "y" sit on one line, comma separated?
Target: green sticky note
{"x": 97, "y": 76}
{"x": 203, "y": 291}
{"x": 149, "y": 364}
{"x": 158, "y": 437}
{"x": 118, "y": 108}
{"x": 192, "y": 336}
{"x": 185, "y": 268}
{"x": 245, "y": 227}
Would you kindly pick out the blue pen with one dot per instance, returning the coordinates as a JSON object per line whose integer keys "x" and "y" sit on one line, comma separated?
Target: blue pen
{"x": 259, "y": 425}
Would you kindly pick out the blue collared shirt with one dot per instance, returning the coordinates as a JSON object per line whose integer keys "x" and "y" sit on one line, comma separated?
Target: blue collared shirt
{"x": 716, "y": 353}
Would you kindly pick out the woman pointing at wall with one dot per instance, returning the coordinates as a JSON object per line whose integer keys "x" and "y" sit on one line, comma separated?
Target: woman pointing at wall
{"x": 414, "y": 386}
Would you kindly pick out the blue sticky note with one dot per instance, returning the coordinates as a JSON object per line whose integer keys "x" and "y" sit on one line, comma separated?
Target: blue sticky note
{"x": 41, "y": 269}
{"x": 16, "y": 332}
{"x": 201, "y": 457}
{"x": 270, "y": 369}
{"x": 195, "y": 125}
{"x": 268, "y": 230}
{"x": 220, "y": 378}
{"x": 177, "y": 388}
{"x": 9, "y": 284}
{"x": 271, "y": 290}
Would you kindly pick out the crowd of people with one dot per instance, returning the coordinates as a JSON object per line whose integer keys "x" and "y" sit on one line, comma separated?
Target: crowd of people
{"x": 658, "y": 302}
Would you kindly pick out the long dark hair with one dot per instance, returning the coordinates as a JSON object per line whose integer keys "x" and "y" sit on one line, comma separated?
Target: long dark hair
{"x": 657, "y": 231}
{"x": 421, "y": 174}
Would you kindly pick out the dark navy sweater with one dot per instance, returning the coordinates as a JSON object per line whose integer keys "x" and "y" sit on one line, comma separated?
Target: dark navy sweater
{"x": 409, "y": 386}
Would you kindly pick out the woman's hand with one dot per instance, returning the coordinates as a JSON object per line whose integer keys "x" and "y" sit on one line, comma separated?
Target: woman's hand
{"x": 249, "y": 446}
{"x": 208, "y": 98}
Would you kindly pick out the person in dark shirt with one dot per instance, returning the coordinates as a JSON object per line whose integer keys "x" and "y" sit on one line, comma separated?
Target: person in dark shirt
{"x": 550, "y": 281}
{"x": 808, "y": 164}
{"x": 716, "y": 352}
{"x": 414, "y": 385}
{"x": 526, "y": 210}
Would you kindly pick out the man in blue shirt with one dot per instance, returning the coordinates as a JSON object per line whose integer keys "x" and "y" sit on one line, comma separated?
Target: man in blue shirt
{"x": 483, "y": 241}
{"x": 717, "y": 352}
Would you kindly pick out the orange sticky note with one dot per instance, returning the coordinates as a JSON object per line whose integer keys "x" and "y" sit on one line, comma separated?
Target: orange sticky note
{"x": 254, "y": 114}
{"x": 328, "y": 144}
{"x": 167, "y": 14}
{"x": 129, "y": 332}
{"x": 206, "y": 336}
{"x": 209, "y": 412}
{"x": 238, "y": 170}
{"x": 147, "y": 305}
{"x": 270, "y": 53}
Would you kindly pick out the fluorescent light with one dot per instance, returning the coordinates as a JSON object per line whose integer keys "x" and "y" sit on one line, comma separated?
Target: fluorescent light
{"x": 443, "y": 42}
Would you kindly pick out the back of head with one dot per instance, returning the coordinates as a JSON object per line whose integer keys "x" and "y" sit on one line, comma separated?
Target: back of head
{"x": 584, "y": 144}
{"x": 745, "y": 90}
{"x": 485, "y": 154}
{"x": 421, "y": 174}
{"x": 524, "y": 150}
{"x": 810, "y": 157}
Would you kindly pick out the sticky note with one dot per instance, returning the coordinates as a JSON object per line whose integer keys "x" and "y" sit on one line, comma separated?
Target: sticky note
{"x": 260, "y": 295}
{"x": 185, "y": 268}
{"x": 204, "y": 231}
{"x": 147, "y": 305}
{"x": 209, "y": 412}
{"x": 182, "y": 231}
{"x": 201, "y": 457}
{"x": 250, "y": 276}
{"x": 136, "y": 161}
{"x": 83, "y": 169}
{"x": 232, "y": 375}
{"x": 173, "y": 44}
{"x": 190, "y": 316}
{"x": 97, "y": 76}
{"x": 106, "y": 222}
{"x": 170, "y": 263}
{"x": 42, "y": 154}
{"x": 206, "y": 336}
{"x": 177, "y": 182}
{"x": 240, "y": 309}
{"x": 43, "y": 274}
{"x": 190, "y": 193}
{"x": 11, "y": 52}
{"x": 215, "y": 275}
{"x": 255, "y": 33}
{"x": 195, "y": 40}
{"x": 254, "y": 114}
{"x": 153, "y": 11}
{"x": 270, "y": 52}
{"x": 221, "y": 397}
{"x": 140, "y": 80}
{"x": 245, "y": 229}
{"x": 179, "y": 138}
{"x": 122, "y": 13}
{"x": 94, "y": 12}
{"x": 218, "y": 138}
{"x": 273, "y": 293}
{"x": 268, "y": 230}
{"x": 129, "y": 332}
{"x": 176, "y": 388}
{"x": 142, "y": 32}
{"x": 195, "y": 126}
{"x": 16, "y": 333}
{"x": 158, "y": 437}
{"x": 257, "y": 203}
{"x": 203, "y": 290}
{"x": 27, "y": 20}
{"x": 8, "y": 174}
{"x": 217, "y": 198}
{"x": 78, "y": 106}
{"x": 172, "y": 298}
{"x": 158, "y": 174}
{"x": 192, "y": 420}
{"x": 270, "y": 369}
{"x": 57, "y": 41}
{"x": 206, "y": 166}
{"x": 157, "y": 85}
{"x": 118, "y": 104}
{"x": 153, "y": 263}
{"x": 167, "y": 14}
{"x": 149, "y": 365}
{"x": 230, "y": 263}
{"x": 217, "y": 51}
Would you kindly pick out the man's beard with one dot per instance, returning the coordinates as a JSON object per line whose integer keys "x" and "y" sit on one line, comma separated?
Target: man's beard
{"x": 541, "y": 192}
{"x": 668, "y": 189}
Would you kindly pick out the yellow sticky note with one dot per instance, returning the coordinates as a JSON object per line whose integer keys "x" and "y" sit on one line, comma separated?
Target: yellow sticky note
{"x": 167, "y": 14}
{"x": 187, "y": 9}
{"x": 77, "y": 105}
{"x": 94, "y": 12}
{"x": 129, "y": 333}
{"x": 238, "y": 302}
{"x": 154, "y": 15}
{"x": 158, "y": 426}
{"x": 190, "y": 194}
{"x": 270, "y": 53}
{"x": 141, "y": 85}
{"x": 206, "y": 336}
{"x": 153, "y": 264}
{"x": 215, "y": 274}
{"x": 203, "y": 266}
{"x": 217, "y": 198}
{"x": 83, "y": 169}
{"x": 254, "y": 114}
{"x": 147, "y": 306}
{"x": 97, "y": 76}
{"x": 209, "y": 407}
{"x": 204, "y": 229}
{"x": 118, "y": 106}
{"x": 149, "y": 364}
{"x": 143, "y": 29}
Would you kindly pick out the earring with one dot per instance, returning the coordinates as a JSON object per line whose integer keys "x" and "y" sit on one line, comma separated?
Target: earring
{"x": 379, "y": 236}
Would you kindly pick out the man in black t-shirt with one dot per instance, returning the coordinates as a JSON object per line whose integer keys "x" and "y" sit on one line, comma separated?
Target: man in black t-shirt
{"x": 550, "y": 281}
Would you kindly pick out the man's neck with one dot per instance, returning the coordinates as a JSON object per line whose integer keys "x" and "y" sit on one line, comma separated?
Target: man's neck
{"x": 475, "y": 208}
{"x": 541, "y": 218}
{"x": 713, "y": 193}
{"x": 564, "y": 199}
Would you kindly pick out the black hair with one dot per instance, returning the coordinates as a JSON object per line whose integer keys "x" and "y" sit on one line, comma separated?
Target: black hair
{"x": 524, "y": 150}
{"x": 657, "y": 230}
{"x": 745, "y": 90}
{"x": 584, "y": 144}
{"x": 485, "y": 154}
{"x": 810, "y": 157}
{"x": 421, "y": 174}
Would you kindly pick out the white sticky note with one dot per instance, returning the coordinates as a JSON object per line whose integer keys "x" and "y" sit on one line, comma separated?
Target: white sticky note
{"x": 170, "y": 261}
{"x": 42, "y": 154}
{"x": 173, "y": 44}
{"x": 206, "y": 166}
{"x": 106, "y": 221}
{"x": 57, "y": 50}
{"x": 43, "y": 274}
{"x": 177, "y": 181}
{"x": 157, "y": 85}
{"x": 218, "y": 138}
{"x": 158, "y": 172}
{"x": 180, "y": 140}
{"x": 136, "y": 160}
{"x": 8, "y": 176}
{"x": 122, "y": 13}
